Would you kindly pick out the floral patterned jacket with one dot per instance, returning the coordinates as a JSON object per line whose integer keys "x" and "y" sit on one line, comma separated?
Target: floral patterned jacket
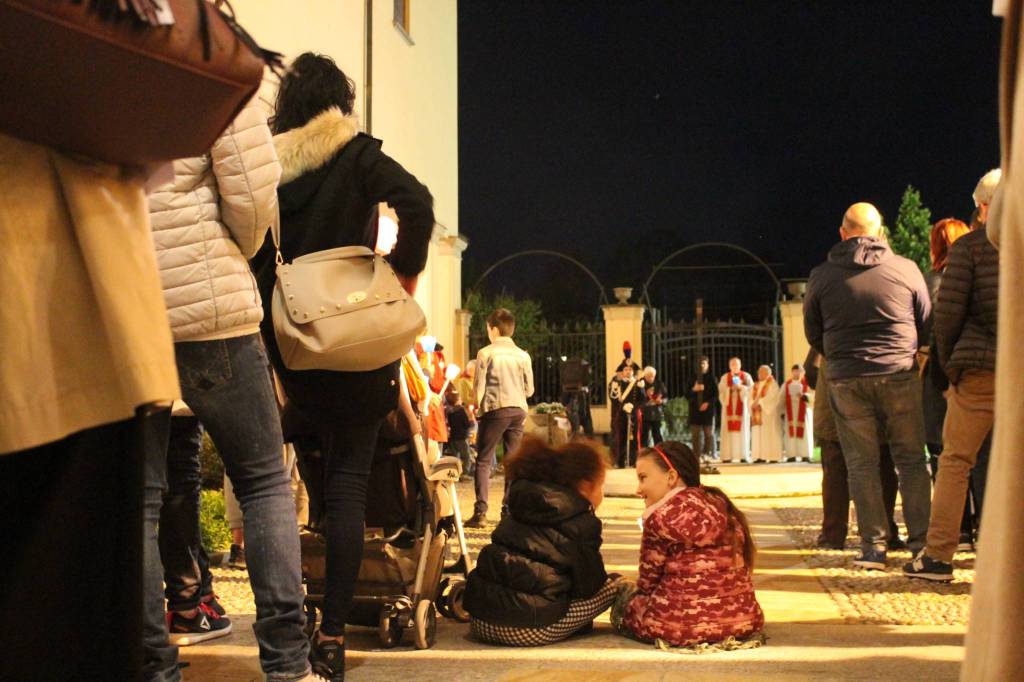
{"x": 694, "y": 584}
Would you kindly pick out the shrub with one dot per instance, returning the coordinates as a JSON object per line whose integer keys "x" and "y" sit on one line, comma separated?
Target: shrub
{"x": 212, "y": 523}
{"x": 677, "y": 415}
{"x": 211, "y": 465}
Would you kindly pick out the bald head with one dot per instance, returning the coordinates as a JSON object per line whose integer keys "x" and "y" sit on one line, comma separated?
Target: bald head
{"x": 861, "y": 220}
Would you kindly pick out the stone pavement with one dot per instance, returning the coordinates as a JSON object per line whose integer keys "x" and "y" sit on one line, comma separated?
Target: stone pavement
{"x": 810, "y": 636}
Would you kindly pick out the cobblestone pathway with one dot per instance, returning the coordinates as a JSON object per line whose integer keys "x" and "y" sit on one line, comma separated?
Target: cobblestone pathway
{"x": 875, "y": 596}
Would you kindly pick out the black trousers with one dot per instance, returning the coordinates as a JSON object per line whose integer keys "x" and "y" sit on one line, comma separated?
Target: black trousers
{"x": 651, "y": 433}
{"x": 187, "y": 574}
{"x": 835, "y": 491}
{"x": 71, "y": 532}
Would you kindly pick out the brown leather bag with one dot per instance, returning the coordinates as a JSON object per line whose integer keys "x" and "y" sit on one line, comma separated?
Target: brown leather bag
{"x": 99, "y": 78}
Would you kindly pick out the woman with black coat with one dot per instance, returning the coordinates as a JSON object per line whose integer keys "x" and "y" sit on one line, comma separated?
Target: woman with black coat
{"x": 542, "y": 577}
{"x": 333, "y": 178}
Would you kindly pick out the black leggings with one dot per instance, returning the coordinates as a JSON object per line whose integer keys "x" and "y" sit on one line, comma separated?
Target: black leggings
{"x": 349, "y": 452}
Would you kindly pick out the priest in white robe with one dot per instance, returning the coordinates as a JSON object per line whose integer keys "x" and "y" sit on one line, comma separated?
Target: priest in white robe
{"x": 765, "y": 422}
{"x": 799, "y": 405}
{"x": 734, "y": 391}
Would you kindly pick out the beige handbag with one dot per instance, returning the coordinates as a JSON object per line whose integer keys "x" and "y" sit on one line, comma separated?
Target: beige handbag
{"x": 342, "y": 310}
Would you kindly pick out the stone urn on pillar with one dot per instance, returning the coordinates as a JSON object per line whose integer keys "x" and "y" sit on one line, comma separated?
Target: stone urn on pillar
{"x": 622, "y": 294}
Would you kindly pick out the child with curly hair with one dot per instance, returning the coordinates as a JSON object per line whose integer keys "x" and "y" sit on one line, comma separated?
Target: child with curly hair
{"x": 696, "y": 558}
{"x": 542, "y": 577}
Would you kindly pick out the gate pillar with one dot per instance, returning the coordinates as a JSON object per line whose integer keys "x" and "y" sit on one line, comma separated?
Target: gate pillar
{"x": 621, "y": 323}
{"x": 794, "y": 342}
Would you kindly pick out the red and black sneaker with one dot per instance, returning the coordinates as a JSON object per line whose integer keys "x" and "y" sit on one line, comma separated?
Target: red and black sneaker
{"x": 211, "y": 602}
{"x": 204, "y": 625}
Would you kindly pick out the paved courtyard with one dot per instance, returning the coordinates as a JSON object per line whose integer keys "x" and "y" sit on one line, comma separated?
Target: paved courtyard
{"x": 824, "y": 620}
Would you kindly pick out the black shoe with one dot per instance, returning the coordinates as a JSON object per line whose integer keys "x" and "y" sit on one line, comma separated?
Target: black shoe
{"x": 896, "y": 544}
{"x": 236, "y": 558}
{"x": 478, "y": 520}
{"x": 926, "y": 568}
{"x": 327, "y": 658}
{"x": 203, "y": 626}
{"x": 823, "y": 543}
{"x": 966, "y": 543}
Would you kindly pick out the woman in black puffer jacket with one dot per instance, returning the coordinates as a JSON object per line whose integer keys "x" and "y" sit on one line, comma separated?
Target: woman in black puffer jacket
{"x": 542, "y": 577}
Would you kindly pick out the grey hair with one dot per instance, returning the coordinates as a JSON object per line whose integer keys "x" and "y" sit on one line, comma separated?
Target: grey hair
{"x": 765, "y": 367}
{"x": 987, "y": 186}
{"x": 650, "y": 369}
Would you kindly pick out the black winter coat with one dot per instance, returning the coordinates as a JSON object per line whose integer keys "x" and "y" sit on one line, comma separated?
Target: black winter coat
{"x": 544, "y": 554}
{"x": 333, "y": 178}
{"x": 967, "y": 309}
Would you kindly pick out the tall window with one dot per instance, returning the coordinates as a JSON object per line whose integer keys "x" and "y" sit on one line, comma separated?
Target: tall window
{"x": 401, "y": 20}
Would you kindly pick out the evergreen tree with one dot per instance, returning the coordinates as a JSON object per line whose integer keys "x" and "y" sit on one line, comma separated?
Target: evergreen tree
{"x": 911, "y": 237}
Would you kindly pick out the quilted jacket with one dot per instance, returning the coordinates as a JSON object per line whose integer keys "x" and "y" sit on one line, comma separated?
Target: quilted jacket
{"x": 967, "y": 307}
{"x": 207, "y": 222}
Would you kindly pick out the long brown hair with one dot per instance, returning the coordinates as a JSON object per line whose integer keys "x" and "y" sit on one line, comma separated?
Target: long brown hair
{"x": 687, "y": 465}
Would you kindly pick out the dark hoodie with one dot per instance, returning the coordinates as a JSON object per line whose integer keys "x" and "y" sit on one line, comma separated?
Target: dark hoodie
{"x": 866, "y": 309}
{"x": 546, "y": 552}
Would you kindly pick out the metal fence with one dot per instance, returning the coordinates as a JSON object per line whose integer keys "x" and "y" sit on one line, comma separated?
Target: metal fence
{"x": 550, "y": 346}
{"x": 674, "y": 348}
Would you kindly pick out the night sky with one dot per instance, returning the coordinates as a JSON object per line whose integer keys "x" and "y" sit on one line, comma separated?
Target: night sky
{"x": 617, "y": 132}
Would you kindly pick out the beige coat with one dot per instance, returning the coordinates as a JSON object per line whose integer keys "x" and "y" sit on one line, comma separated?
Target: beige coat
{"x": 207, "y": 222}
{"x": 998, "y": 594}
{"x": 82, "y": 327}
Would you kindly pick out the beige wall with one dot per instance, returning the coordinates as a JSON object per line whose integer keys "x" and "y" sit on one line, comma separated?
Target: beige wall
{"x": 414, "y": 106}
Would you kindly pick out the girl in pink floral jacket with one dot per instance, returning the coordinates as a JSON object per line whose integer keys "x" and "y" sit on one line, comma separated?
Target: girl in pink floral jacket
{"x": 696, "y": 557}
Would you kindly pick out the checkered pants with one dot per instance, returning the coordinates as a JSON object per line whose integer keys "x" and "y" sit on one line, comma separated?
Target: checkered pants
{"x": 581, "y": 614}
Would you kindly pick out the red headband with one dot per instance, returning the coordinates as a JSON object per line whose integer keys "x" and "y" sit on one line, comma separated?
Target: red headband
{"x": 664, "y": 457}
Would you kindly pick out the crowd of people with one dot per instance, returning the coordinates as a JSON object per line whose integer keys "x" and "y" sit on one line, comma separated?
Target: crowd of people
{"x": 885, "y": 346}
{"x": 141, "y": 317}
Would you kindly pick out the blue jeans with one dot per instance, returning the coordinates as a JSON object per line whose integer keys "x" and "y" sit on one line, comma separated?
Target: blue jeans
{"x": 890, "y": 405}
{"x": 227, "y": 385}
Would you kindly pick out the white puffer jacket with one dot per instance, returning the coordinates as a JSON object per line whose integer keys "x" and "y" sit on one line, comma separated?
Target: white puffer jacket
{"x": 207, "y": 222}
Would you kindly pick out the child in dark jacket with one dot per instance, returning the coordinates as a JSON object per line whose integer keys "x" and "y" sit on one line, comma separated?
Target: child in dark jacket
{"x": 542, "y": 577}
{"x": 696, "y": 558}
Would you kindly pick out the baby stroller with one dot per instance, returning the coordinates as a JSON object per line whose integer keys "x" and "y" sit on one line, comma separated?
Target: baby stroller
{"x": 404, "y": 579}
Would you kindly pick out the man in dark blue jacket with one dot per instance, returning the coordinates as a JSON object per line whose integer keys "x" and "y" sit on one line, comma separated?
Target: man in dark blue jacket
{"x": 865, "y": 311}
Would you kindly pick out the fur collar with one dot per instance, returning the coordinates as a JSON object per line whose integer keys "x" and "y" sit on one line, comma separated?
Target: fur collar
{"x": 302, "y": 150}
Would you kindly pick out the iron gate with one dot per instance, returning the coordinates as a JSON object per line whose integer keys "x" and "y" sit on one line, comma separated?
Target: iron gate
{"x": 551, "y": 345}
{"x": 674, "y": 348}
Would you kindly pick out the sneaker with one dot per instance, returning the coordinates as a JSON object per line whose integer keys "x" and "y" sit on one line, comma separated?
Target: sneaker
{"x": 478, "y": 520}
{"x": 966, "y": 543}
{"x": 327, "y": 658}
{"x": 201, "y": 627}
{"x": 236, "y": 558}
{"x": 926, "y": 568}
{"x": 871, "y": 559}
{"x": 210, "y": 601}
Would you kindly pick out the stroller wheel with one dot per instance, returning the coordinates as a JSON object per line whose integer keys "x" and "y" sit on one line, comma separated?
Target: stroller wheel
{"x": 310, "y": 626}
{"x": 454, "y": 601}
{"x": 389, "y": 628}
{"x": 442, "y": 599}
{"x": 426, "y": 624}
